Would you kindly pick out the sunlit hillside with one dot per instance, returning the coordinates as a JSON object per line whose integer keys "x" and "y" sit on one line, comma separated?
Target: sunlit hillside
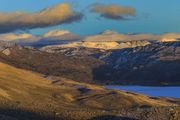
{"x": 34, "y": 93}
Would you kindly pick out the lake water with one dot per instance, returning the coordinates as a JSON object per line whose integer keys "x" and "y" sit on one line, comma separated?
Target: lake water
{"x": 152, "y": 91}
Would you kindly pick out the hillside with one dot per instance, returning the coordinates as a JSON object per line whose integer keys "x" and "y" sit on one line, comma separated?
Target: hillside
{"x": 153, "y": 64}
{"x": 77, "y": 68}
{"x": 22, "y": 91}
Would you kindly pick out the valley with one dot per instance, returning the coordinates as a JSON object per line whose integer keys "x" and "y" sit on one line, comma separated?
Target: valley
{"x": 89, "y": 60}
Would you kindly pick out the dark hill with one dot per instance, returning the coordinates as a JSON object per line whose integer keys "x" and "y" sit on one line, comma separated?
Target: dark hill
{"x": 76, "y": 68}
{"x": 154, "y": 64}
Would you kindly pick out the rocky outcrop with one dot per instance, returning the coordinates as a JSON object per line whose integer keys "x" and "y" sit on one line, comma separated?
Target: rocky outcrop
{"x": 6, "y": 51}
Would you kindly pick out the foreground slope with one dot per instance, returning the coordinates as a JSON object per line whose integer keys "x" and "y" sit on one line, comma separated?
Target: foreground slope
{"x": 28, "y": 95}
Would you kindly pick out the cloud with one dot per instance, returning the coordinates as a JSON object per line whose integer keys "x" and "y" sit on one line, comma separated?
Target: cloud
{"x": 113, "y": 11}
{"x": 59, "y": 14}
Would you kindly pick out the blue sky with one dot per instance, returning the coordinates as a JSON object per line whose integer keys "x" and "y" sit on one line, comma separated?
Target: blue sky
{"x": 153, "y": 16}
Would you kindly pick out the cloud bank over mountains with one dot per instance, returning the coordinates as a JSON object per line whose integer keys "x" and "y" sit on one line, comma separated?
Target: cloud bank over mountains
{"x": 106, "y": 36}
{"x": 113, "y": 11}
{"x": 55, "y": 15}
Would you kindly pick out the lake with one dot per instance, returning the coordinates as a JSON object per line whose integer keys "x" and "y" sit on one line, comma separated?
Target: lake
{"x": 151, "y": 91}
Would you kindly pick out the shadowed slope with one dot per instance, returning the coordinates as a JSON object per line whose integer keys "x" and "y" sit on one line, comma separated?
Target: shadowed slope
{"x": 156, "y": 64}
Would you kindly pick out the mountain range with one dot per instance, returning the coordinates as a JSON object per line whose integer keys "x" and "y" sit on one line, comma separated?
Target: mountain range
{"x": 41, "y": 79}
{"x": 127, "y": 62}
{"x": 55, "y": 37}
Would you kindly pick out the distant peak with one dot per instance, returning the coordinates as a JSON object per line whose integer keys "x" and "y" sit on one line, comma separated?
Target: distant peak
{"x": 56, "y": 33}
{"x": 13, "y": 36}
{"x": 25, "y": 35}
{"x": 109, "y": 32}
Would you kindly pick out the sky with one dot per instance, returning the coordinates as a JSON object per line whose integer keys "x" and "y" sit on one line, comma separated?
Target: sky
{"x": 152, "y": 16}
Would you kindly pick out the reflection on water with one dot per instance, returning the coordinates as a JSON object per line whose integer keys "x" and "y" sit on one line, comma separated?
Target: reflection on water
{"x": 152, "y": 91}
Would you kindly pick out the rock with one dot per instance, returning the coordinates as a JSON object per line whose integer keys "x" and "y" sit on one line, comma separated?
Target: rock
{"x": 6, "y": 52}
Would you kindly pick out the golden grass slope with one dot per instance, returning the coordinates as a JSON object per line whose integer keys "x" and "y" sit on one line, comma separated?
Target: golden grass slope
{"x": 31, "y": 91}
